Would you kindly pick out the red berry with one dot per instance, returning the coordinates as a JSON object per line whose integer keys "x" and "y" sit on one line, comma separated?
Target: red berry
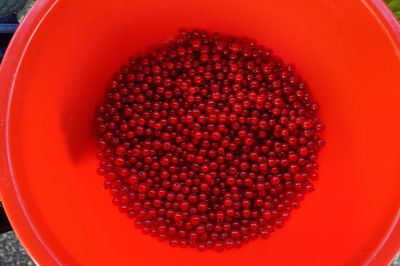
{"x": 208, "y": 141}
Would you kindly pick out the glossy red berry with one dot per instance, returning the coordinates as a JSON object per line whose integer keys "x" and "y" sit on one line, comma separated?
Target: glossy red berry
{"x": 208, "y": 141}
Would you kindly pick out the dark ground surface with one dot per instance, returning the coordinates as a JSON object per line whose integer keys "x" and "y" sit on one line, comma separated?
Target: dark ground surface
{"x": 11, "y": 251}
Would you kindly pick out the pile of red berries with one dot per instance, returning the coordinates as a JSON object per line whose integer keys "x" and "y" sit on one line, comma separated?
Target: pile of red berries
{"x": 209, "y": 141}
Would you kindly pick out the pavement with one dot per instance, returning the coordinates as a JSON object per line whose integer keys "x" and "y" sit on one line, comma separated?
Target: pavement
{"x": 11, "y": 251}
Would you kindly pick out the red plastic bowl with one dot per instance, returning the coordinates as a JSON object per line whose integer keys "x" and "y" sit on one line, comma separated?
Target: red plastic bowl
{"x": 56, "y": 71}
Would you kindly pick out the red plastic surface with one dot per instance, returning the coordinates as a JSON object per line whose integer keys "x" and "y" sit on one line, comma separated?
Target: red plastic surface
{"x": 62, "y": 58}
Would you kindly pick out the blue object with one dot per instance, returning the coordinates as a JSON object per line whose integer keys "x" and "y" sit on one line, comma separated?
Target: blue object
{"x": 8, "y": 28}
{"x": 8, "y": 25}
{"x": 9, "y": 19}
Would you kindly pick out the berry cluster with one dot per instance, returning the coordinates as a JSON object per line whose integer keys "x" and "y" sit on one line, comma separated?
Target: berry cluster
{"x": 209, "y": 141}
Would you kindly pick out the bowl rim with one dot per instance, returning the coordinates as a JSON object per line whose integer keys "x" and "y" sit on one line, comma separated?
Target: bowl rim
{"x": 9, "y": 191}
